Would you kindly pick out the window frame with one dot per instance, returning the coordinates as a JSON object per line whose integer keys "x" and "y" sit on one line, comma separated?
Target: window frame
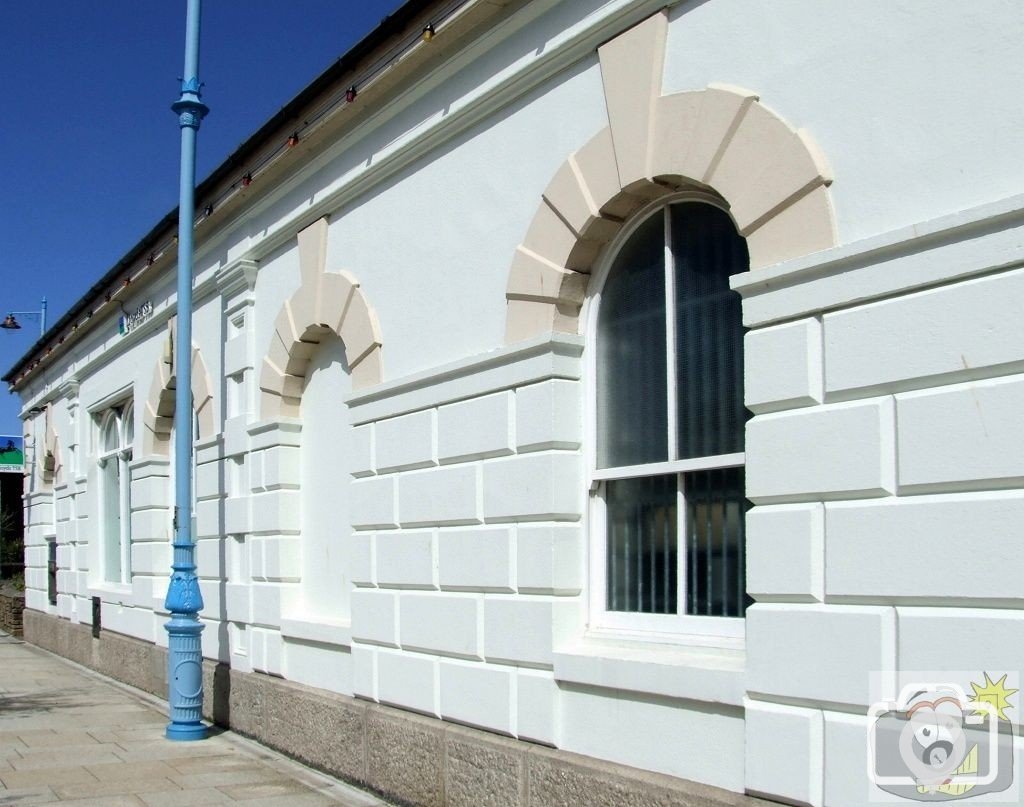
{"x": 680, "y": 628}
{"x": 121, "y": 417}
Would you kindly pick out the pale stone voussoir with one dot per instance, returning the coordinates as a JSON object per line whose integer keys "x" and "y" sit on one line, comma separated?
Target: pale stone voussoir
{"x": 525, "y": 319}
{"x": 631, "y": 70}
{"x": 298, "y": 358}
{"x": 675, "y": 120}
{"x": 721, "y": 111}
{"x": 807, "y": 225}
{"x": 534, "y": 278}
{"x": 333, "y": 299}
{"x": 550, "y": 236}
{"x": 278, "y": 351}
{"x": 158, "y": 412}
{"x": 164, "y": 403}
{"x": 369, "y": 371}
{"x": 283, "y": 327}
{"x": 291, "y": 407}
{"x": 360, "y": 330}
{"x": 313, "y": 250}
{"x": 324, "y": 302}
{"x": 291, "y": 386}
{"x": 568, "y": 197}
{"x": 766, "y": 166}
{"x": 270, "y": 404}
{"x": 301, "y": 308}
{"x": 595, "y": 165}
{"x": 721, "y": 139}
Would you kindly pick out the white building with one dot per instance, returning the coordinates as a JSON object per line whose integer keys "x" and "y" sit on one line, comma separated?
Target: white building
{"x": 467, "y": 372}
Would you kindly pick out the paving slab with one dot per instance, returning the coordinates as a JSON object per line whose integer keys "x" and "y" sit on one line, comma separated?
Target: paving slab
{"x": 71, "y": 736}
{"x": 51, "y": 739}
{"x": 124, "y": 787}
{"x": 185, "y": 798}
{"x": 54, "y": 758}
{"x": 27, "y": 795}
{"x": 108, "y": 801}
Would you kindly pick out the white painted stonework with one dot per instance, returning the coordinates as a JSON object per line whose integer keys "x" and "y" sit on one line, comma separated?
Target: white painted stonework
{"x": 395, "y": 459}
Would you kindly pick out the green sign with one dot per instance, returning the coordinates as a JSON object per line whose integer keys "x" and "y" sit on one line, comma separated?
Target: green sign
{"x": 12, "y": 454}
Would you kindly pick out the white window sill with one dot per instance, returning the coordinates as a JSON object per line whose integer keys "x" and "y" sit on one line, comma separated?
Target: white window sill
{"x": 319, "y": 630}
{"x": 117, "y": 593}
{"x": 705, "y": 674}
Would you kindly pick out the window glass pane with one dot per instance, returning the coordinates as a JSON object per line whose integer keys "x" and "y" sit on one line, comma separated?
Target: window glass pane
{"x": 709, "y": 331}
{"x": 631, "y": 377}
{"x": 110, "y": 513}
{"x": 125, "y": 538}
{"x": 129, "y": 427}
{"x": 715, "y": 516}
{"x": 641, "y": 556}
{"x": 110, "y": 439}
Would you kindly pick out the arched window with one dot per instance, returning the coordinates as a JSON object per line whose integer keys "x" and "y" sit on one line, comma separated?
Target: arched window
{"x": 668, "y": 500}
{"x": 117, "y": 435}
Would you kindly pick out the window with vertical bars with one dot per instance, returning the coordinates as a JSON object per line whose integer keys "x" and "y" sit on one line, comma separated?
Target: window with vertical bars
{"x": 669, "y": 493}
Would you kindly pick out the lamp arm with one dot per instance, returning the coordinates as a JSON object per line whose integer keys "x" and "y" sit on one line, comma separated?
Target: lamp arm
{"x": 41, "y": 313}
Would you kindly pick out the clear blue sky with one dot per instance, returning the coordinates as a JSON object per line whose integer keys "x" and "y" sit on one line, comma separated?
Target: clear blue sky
{"x": 89, "y": 145}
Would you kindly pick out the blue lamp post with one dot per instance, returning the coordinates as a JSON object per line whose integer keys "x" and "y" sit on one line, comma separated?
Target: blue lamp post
{"x": 184, "y": 600}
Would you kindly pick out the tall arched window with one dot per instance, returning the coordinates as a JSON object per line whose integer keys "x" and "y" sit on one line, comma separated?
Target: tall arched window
{"x": 117, "y": 434}
{"x": 668, "y": 493}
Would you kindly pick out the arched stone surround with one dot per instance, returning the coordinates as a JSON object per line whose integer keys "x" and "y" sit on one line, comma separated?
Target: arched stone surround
{"x": 325, "y": 302}
{"x": 49, "y": 476}
{"x": 158, "y": 413}
{"x": 720, "y": 139}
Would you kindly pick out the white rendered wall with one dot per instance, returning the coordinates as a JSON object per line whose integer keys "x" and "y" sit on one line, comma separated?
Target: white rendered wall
{"x": 903, "y": 98}
{"x": 450, "y": 617}
{"x": 462, "y": 211}
{"x": 885, "y": 465}
{"x": 876, "y": 405}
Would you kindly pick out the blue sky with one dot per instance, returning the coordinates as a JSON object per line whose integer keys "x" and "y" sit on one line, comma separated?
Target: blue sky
{"x": 89, "y": 145}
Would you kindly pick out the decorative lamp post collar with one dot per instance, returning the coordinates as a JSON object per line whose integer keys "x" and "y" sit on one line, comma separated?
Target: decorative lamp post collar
{"x": 190, "y": 108}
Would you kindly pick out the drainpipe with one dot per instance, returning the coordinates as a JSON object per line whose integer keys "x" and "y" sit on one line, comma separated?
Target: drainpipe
{"x": 184, "y": 600}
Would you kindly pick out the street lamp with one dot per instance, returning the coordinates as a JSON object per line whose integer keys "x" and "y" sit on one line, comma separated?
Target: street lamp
{"x": 184, "y": 599}
{"x": 10, "y": 323}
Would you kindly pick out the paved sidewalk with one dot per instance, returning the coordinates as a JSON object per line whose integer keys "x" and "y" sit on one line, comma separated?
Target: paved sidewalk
{"x": 69, "y": 735}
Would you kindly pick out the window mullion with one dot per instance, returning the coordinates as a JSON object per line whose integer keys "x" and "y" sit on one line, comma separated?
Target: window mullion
{"x": 670, "y": 340}
{"x": 682, "y": 563}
